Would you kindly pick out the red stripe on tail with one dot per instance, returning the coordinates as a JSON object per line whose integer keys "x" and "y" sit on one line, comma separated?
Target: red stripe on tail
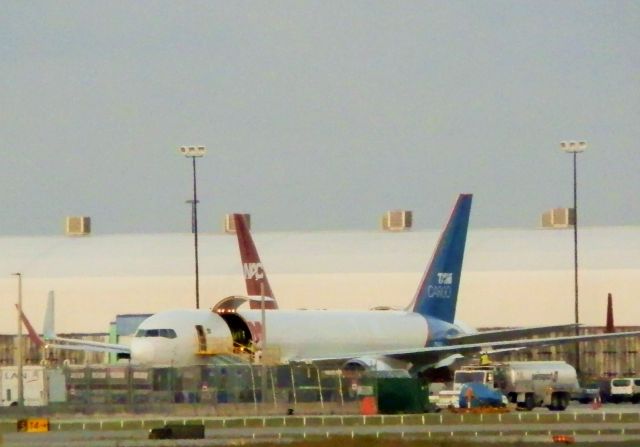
{"x": 254, "y": 273}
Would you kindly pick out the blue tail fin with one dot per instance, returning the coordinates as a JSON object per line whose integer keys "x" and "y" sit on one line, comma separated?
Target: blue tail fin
{"x": 438, "y": 291}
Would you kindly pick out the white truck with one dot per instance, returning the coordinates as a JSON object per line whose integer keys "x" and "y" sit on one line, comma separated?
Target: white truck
{"x": 40, "y": 385}
{"x": 526, "y": 384}
{"x": 625, "y": 389}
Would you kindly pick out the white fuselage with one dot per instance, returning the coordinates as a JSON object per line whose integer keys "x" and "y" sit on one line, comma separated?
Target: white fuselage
{"x": 306, "y": 334}
{"x": 179, "y": 350}
{"x": 295, "y": 335}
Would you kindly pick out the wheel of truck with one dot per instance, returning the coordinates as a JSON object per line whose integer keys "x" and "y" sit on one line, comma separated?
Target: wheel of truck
{"x": 635, "y": 398}
{"x": 556, "y": 402}
{"x": 529, "y": 402}
{"x": 563, "y": 402}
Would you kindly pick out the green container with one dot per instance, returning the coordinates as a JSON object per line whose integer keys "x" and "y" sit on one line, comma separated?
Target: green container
{"x": 396, "y": 395}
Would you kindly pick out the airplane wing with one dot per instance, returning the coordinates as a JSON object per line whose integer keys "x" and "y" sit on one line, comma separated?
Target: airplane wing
{"x": 84, "y": 345}
{"x": 50, "y": 340}
{"x": 433, "y": 354}
{"x": 507, "y": 334}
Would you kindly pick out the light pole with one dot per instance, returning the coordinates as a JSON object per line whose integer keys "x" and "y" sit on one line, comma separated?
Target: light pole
{"x": 20, "y": 354}
{"x": 575, "y": 147}
{"x": 194, "y": 152}
{"x": 193, "y": 214}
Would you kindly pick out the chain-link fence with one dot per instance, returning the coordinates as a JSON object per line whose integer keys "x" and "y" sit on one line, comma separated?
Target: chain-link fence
{"x": 281, "y": 387}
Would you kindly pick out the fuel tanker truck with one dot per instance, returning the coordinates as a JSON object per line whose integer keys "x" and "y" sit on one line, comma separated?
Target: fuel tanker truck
{"x": 526, "y": 384}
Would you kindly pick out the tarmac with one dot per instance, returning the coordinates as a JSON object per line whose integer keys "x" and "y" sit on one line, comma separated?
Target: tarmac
{"x": 609, "y": 425}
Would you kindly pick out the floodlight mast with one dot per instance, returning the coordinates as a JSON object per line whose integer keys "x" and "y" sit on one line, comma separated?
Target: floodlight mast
{"x": 19, "y": 347}
{"x": 575, "y": 147}
{"x": 194, "y": 152}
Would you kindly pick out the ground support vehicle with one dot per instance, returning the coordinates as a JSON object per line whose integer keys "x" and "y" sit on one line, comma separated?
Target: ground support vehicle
{"x": 526, "y": 384}
{"x": 40, "y": 385}
{"x": 625, "y": 389}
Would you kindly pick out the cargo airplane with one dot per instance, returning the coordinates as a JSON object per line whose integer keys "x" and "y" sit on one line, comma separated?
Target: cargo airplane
{"x": 423, "y": 336}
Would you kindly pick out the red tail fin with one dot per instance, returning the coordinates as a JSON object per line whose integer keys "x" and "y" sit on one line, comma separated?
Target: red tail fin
{"x": 254, "y": 274}
{"x": 33, "y": 335}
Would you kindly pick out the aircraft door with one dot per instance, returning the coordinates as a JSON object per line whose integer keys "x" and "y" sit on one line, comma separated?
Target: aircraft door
{"x": 243, "y": 339}
{"x": 202, "y": 339}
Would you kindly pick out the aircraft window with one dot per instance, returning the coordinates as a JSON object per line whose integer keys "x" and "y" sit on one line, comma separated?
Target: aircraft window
{"x": 166, "y": 333}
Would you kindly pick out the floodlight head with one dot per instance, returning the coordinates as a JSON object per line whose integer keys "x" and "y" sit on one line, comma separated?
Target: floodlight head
{"x": 193, "y": 151}
{"x": 573, "y": 146}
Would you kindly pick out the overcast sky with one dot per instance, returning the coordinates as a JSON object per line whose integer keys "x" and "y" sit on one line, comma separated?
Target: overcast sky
{"x": 317, "y": 115}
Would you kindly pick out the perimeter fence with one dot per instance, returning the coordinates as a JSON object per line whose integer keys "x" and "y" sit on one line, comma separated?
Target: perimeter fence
{"x": 266, "y": 389}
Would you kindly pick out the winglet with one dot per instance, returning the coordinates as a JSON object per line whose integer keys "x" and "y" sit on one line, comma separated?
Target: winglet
{"x": 48, "y": 330}
{"x": 438, "y": 290}
{"x": 33, "y": 335}
{"x": 254, "y": 274}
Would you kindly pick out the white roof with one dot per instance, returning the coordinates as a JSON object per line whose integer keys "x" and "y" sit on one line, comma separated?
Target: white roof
{"x": 315, "y": 252}
{"x": 99, "y": 276}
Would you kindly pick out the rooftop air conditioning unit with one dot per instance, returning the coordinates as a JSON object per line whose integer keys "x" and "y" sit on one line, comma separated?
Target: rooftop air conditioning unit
{"x": 230, "y": 224}
{"x": 77, "y": 226}
{"x": 397, "y": 220}
{"x": 559, "y": 218}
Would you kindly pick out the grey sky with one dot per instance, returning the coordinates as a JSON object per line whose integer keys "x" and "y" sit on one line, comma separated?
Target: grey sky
{"x": 317, "y": 115}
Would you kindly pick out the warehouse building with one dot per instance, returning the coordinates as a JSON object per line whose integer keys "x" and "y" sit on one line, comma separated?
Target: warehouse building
{"x": 511, "y": 277}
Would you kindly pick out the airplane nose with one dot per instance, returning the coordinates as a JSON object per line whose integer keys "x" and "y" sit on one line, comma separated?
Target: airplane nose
{"x": 142, "y": 351}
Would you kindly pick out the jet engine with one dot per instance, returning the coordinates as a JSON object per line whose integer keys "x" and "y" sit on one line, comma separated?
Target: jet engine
{"x": 375, "y": 364}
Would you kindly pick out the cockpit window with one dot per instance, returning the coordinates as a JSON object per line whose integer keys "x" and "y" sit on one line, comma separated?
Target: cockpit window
{"x": 166, "y": 333}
